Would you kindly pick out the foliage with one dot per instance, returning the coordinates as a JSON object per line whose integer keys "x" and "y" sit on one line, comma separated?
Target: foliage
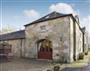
{"x": 86, "y": 53}
{"x": 81, "y": 56}
{"x": 7, "y": 29}
{"x": 46, "y": 43}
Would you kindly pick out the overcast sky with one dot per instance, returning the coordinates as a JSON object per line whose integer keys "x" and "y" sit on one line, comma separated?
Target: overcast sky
{"x": 16, "y": 13}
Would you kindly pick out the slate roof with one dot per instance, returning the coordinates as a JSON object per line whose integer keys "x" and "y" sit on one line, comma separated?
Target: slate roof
{"x": 50, "y": 16}
{"x": 14, "y": 35}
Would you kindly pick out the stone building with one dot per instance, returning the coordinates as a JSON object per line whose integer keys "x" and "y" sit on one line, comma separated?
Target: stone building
{"x": 85, "y": 40}
{"x": 61, "y": 33}
{"x": 16, "y": 40}
{"x": 56, "y": 37}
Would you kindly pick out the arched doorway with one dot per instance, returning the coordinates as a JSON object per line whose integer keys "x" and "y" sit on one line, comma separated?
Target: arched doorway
{"x": 44, "y": 49}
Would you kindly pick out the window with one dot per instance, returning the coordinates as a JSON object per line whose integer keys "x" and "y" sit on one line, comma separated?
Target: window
{"x": 43, "y": 27}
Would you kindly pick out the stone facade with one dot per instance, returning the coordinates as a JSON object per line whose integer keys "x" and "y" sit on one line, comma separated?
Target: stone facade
{"x": 60, "y": 31}
{"x": 56, "y": 31}
{"x": 86, "y": 42}
{"x": 17, "y": 45}
{"x": 79, "y": 41}
{"x": 71, "y": 40}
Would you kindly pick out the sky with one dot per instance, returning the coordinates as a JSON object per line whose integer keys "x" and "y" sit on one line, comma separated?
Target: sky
{"x": 17, "y": 13}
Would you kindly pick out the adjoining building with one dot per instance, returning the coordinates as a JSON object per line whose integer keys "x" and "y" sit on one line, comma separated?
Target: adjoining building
{"x": 56, "y": 37}
{"x": 16, "y": 40}
{"x": 85, "y": 40}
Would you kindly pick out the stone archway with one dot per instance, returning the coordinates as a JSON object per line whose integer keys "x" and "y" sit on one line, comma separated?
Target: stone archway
{"x": 44, "y": 49}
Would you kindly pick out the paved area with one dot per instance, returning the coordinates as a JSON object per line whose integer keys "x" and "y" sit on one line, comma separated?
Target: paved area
{"x": 19, "y": 64}
{"x": 24, "y": 65}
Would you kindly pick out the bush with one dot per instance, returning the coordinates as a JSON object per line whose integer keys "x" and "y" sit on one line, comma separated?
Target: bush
{"x": 86, "y": 53}
{"x": 56, "y": 68}
{"x": 81, "y": 56}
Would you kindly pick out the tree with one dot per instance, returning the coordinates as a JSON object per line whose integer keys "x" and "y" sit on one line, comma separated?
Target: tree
{"x": 6, "y": 29}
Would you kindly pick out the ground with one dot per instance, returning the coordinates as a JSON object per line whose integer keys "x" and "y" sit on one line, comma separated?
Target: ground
{"x": 86, "y": 68}
{"x": 23, "y": 64}
{"x": 80, "y": 65}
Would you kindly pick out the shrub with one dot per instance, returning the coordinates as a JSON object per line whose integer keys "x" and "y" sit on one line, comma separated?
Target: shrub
{"x": 81, "y": 56}
{"x": 56, "y": 68}
{"x": 86, "y": 53}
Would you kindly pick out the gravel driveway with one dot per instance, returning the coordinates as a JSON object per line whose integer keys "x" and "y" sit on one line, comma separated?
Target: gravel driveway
{"x": 24, "y": 65}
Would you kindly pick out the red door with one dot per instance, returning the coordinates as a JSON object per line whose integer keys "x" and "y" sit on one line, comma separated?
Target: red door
{"x": 45, "y": 50}
{"x": 45, "y": 53}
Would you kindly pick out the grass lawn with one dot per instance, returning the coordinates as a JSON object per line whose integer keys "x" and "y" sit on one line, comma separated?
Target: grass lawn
{"x": 79, "y": 63}
{"x": 76, "y": 64}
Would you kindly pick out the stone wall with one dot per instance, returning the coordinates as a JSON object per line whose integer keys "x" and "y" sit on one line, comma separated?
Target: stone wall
{"x": 79, "y": 41}
{"x": 57, "y": 31}
{"x": 86, "y": 42}
{"x": 17, "y": 47}
{"x": 71, "y": 39}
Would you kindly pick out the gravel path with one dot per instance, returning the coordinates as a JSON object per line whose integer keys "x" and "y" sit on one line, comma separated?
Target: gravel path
{"x": 24, "y": 65}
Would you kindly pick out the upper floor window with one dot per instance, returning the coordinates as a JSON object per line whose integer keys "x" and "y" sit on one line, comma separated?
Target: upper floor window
{"x": 43, "y": 27}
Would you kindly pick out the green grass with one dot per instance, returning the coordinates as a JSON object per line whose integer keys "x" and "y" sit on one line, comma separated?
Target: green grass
{"x": 80, "y": 63}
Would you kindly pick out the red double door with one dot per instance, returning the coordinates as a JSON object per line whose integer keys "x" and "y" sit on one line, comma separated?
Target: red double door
{"x": 45, "y": 53}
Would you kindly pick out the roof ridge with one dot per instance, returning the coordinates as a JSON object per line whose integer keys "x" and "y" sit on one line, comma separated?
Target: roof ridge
{"x": 48, "y": 16}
